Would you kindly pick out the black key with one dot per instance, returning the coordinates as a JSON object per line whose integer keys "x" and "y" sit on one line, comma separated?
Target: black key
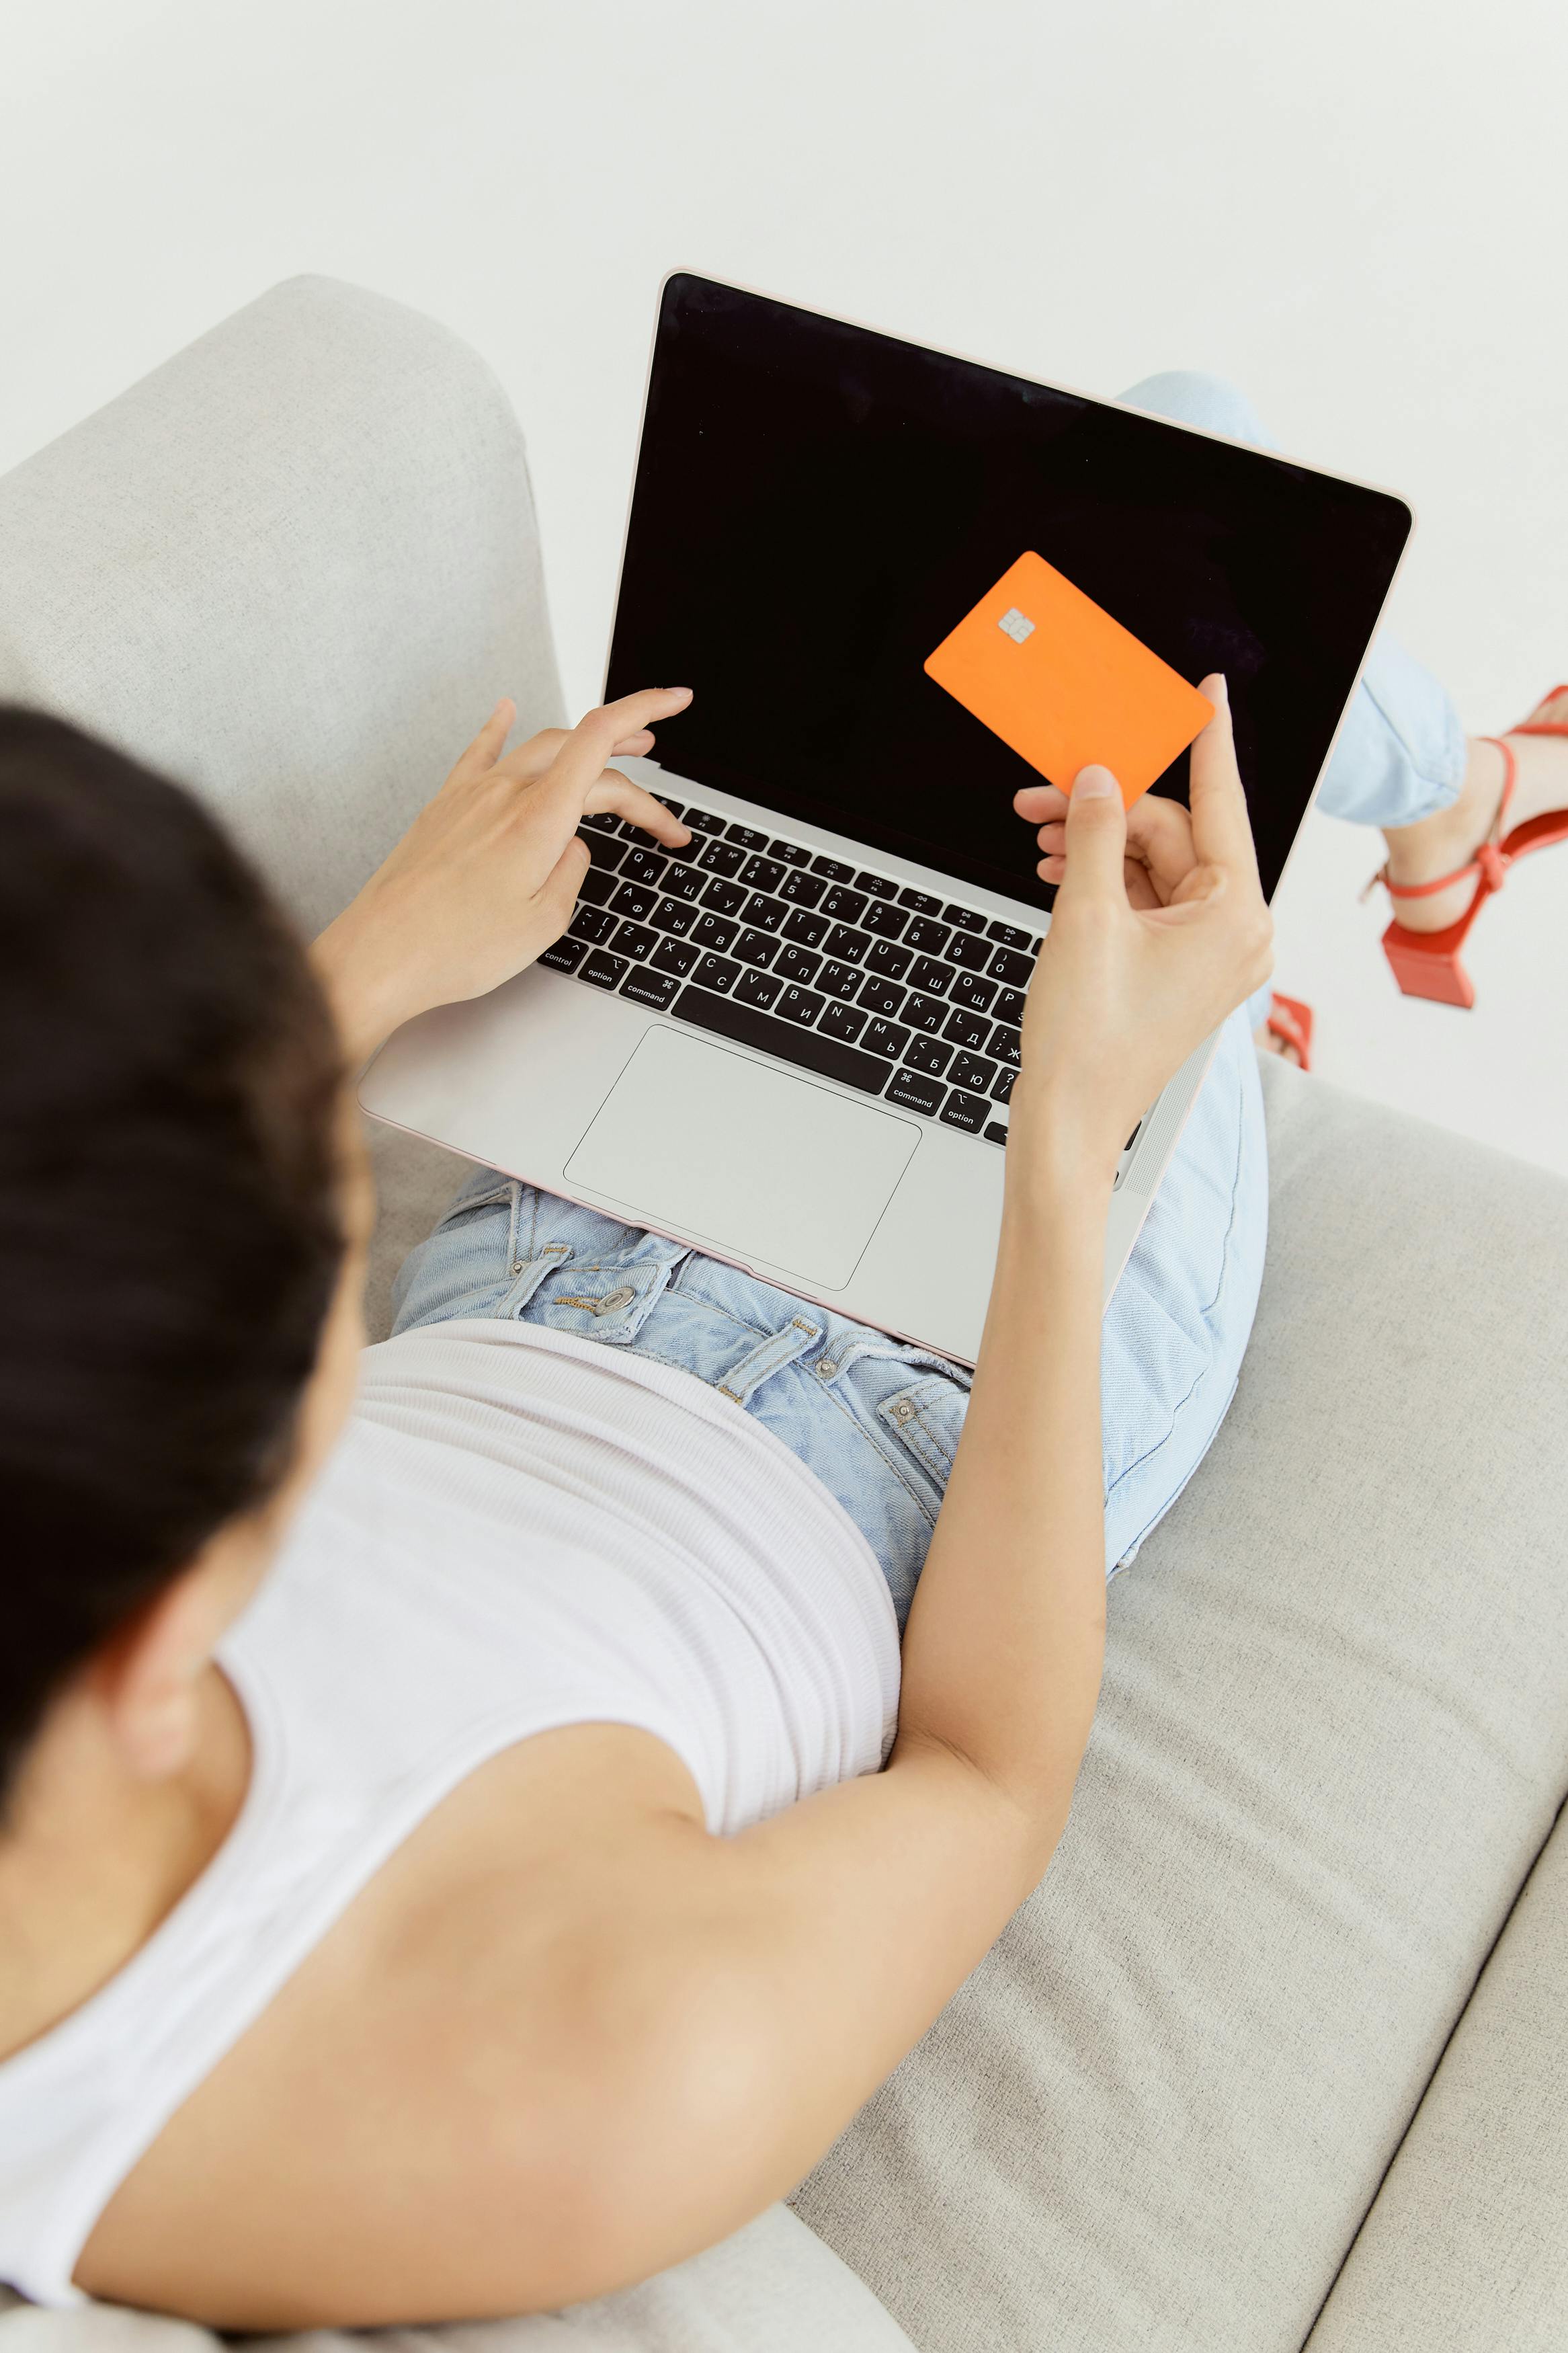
{"x": 704, "y": 821}
{"x": 802, "y": 888}
{"x": 1002, "y": 1086}
{"x": 1015, "y": 970}
{"x": 628, "y": 831}
{"x": 964, "y": 918}
{"x": 808, "y": 931}
{"x": 642, "y": 866}
{"x": 722, "y": 858}
{"x": 921, "y": 903}
{"x": 928, "y": 1054}
{"x": 593, "y": 924}
{"x": 843, "y": 941}
{"x": 1003, "y": 1045}
{"x": 676, "y": 808}
{"x": 927, "y": 974}
{"x": 967, "y": 1112}
{"x": 927, "y": 1012}
{"x": 726, "y": 1016}
{"x": 716, "y": 972}
{"x": 684, "y": 882}
{"x": 766, "y": 913}
{"x": 914, "y": 1093}
{"x": 968, "y": 988}
{"x": 604, "y": 850}
{"x": 973, "y": 1074}
{"x": 880, "y": 996}
{"x": 996, "y": 1133}
{"x": 974, "y": 954}
{"x": 798, "y": 1005}
{"x": 886, "y": 1038}
{"x": 791, "y": 853}
{"x": 886, "y": 920}
{"x": 724, "y": 898}
{"x": 674, "y": 955}
{"x": 844, "y": 906}
{"x": 838, "y": 979}
{"x": 710, "y": 931}
{"x": 1133, "y": 1137}
{"x": 564, "y": 955}
{"x": 925, "y": 937}
{"x": 1036, "y": 946}
{"x": 845, "y": 1021}
{"x": 603, "y": 969}
{"x": 967, "y": 1029}
{"x": 632, "y": 899}
{"x": 596, "y": 886}
{"x": 755, "y": 947}
{"x": 655, "y": 988}
{"x": 674, "y": 915}
{"x": 634, "y": 940}
{"x": 878, "y": 885}
{"x": 833, "y": 869}
{"x": 762, "y": 874}
{"x": 1008, "y": 934}
{"x": 882, "y": 956}
{"x": 747, "y": 836}
{"x": 794, "y": 964}
{"x": 1009, "y": 1007}
{"x": 602, "y": 821}
{"x": 757, "y": 988}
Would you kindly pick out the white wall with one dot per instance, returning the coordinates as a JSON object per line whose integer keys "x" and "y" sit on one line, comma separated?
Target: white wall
{"x": 1358, "y": 211}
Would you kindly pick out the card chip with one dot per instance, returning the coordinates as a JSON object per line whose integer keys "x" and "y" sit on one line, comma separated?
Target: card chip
{"x": 1016, "y": 624}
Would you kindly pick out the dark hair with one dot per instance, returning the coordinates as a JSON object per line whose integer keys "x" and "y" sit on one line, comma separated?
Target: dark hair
{"x": 169, "y": 1221}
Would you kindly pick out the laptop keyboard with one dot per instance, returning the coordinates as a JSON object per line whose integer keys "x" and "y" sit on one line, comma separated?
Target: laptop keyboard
{"x": 889, "y": 990}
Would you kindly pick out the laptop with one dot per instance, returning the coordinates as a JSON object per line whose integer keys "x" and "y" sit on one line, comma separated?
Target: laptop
{"x": 792, "y": 1044}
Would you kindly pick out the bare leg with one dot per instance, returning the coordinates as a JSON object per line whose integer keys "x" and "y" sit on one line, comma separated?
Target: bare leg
{"x": 1439, "y": 843}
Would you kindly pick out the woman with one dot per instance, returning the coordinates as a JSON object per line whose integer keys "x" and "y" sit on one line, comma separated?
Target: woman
{"x": 445, "y": 1867}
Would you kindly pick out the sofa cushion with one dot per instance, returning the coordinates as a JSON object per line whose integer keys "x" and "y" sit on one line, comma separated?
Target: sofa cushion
{"x": 296, "y": 566}
{"x": 1334, "y": 1735}
{"x": 1467, "y": 2247}
{"x": 772, "y": 2288}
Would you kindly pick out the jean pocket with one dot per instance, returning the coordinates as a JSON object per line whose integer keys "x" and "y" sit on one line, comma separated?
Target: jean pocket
{"x": 926, "y": 1418}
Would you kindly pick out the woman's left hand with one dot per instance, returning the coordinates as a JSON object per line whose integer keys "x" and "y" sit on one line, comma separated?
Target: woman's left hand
{"x": 488, "y": 874}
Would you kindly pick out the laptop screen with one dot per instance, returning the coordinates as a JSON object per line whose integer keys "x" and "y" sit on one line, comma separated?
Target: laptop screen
{"x": 817, "y": 507}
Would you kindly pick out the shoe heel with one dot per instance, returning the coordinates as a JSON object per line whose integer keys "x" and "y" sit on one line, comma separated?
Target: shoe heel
{"x": 1425, "y": 966}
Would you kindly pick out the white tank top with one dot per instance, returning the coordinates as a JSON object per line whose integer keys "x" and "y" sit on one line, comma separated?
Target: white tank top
{"x": 519, "y": 1529}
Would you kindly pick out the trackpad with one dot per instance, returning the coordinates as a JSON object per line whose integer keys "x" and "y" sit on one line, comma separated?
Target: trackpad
{"x": 755, "y": 1161}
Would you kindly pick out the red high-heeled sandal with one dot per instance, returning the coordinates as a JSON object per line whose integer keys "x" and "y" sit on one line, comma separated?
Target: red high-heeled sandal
{"x": 1291, "y": 1022}
{"x": 1426, "y": 963}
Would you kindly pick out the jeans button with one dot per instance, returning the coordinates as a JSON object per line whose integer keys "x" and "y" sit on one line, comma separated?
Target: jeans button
{"x": 621, "y": 1296}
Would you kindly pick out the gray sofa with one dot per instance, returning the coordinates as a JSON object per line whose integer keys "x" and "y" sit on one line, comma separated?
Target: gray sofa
{"x": 1275, "y": 2057}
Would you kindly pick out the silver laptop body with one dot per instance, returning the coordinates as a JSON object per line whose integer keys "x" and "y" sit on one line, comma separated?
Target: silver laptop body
{"x": 789, "y": 1046}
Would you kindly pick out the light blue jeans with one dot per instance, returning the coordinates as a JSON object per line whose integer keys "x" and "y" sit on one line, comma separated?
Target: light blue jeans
{"x": 878, "y": 1422}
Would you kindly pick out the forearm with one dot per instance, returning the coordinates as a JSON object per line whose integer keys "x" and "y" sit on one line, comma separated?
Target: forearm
{"x": 1002, "y": 1652}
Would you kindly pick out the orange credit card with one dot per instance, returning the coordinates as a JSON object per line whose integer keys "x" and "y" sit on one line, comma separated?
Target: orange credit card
{"x": 1047, "y": 670}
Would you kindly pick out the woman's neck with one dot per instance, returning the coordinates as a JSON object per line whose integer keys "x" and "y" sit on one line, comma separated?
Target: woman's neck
{"x": 93, "y": 1859}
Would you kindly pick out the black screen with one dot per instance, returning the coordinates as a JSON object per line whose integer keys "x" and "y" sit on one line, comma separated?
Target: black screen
{"x": 817, "y": 506}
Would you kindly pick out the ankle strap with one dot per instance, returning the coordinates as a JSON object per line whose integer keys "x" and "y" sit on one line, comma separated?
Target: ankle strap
{"x": 1489, "y": 862}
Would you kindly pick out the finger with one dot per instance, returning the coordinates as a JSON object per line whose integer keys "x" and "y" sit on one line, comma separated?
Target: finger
{"x": 1039, "y": 804}
{"x": 1141, "y": 890}
{"x": 485, "y": 750}
{"x": 1096, "y": 834}
{"x": 557, "y": 896}
{"x": 594, "y": 739}
{"x": 615, "y": 791}
{"x": 527, "y": 762}
{"x": 635, "y": 745}
{"x": 1222, "y": 832}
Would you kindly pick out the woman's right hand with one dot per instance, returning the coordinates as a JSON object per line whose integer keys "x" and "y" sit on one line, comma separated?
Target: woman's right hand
{"x": 1158, "y": 930}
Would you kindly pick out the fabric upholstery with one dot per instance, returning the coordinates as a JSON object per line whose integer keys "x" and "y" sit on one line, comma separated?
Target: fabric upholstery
{"x": 1466, "y": 2249}
{"x": 1333, "y": 1735}
{"x": 772, "y": 2288}
{"x": 296, "y": 566}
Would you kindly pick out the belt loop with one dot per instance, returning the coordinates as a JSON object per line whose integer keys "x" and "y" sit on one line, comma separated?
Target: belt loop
{"x": 530, "y": 1272}
{"x": 769, "y": 1357}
